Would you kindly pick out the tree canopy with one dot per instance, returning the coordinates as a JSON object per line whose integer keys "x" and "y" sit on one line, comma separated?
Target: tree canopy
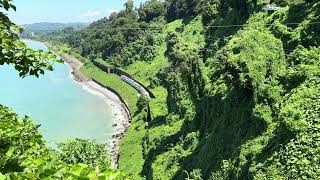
{"x": 14, "y": 52}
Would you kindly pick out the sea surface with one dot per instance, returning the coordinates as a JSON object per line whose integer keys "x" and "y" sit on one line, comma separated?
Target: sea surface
{"x": 64, "y": 108}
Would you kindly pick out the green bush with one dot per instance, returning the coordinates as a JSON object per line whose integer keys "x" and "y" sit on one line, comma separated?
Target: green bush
{"x": 84, "y": 152}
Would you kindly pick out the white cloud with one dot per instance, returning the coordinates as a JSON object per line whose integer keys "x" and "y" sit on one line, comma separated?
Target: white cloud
{"x": 90, "y": 13}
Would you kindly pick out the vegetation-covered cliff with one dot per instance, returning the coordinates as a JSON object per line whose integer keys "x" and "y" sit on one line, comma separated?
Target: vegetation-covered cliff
{"x": 237, "y": 88}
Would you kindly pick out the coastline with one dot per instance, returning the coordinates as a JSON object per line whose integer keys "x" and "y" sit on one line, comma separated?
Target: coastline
{"x": 122, "y": 121}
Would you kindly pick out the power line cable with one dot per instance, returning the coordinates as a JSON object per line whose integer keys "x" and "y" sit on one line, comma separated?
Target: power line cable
{"x": 213, "y": 26}
{"x": 246, "y": 25}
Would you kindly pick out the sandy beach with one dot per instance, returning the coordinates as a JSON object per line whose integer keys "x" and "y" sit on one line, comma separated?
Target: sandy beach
{"x": 119, "y": 110}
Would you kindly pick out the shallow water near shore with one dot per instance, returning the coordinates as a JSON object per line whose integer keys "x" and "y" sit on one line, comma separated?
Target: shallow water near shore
{"x": 64, "y": 108}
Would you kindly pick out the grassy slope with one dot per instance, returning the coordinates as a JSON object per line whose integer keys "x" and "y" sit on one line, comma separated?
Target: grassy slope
{"x": 161, "y": 135}
{"x": 132, "y": 159}
{"x": 128, "y": 93}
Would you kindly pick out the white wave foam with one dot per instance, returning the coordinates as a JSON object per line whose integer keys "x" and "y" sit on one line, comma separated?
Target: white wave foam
{"x": 92, "y": 91}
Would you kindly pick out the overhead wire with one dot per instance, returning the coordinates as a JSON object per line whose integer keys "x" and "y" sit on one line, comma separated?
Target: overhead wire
{"x": 246, "y": 25}
{"x": 212, "y": 26}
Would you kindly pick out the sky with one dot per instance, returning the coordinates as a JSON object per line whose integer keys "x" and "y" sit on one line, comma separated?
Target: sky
{"x": 33, "y": 11}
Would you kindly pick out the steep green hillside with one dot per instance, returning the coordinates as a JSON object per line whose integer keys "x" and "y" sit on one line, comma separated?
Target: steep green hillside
{"x": 248, "y": 109}
{"x": 237, "y": 89}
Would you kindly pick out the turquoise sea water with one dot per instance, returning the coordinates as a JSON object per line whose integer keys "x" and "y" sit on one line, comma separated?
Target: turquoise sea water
{"x": 63, "y": 107}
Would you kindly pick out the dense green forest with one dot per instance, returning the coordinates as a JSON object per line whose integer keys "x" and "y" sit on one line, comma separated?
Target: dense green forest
{"x": 237, "y": 88}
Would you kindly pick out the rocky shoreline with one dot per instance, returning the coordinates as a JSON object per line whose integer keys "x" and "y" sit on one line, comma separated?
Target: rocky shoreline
{"x": 122, "y": 116}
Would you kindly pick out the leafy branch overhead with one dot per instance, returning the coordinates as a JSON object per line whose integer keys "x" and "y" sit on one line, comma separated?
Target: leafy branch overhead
{"x": 14, "y": 52}
{"x": 7, "y": 4}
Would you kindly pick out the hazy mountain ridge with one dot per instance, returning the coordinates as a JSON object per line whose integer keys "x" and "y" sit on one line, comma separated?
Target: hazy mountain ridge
{"x": 43, "y": 28}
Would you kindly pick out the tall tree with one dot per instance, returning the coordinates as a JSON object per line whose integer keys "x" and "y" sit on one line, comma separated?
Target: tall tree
{"x": 129, "y": 6}
{"x": 14, "y": 52}
{"x": 208, "y": 8}
{"x": 151, "y": 10}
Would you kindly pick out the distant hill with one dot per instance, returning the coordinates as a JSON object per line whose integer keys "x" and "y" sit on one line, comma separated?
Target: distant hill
{"x": 43, "y": 28}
